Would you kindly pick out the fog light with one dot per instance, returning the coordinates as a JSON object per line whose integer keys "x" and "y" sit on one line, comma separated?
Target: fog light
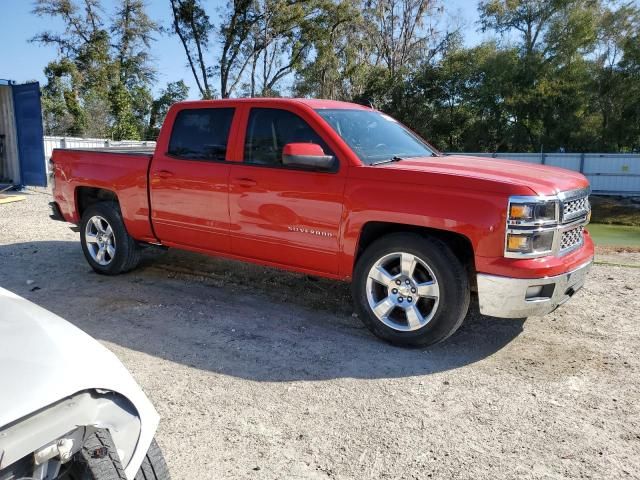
{"x": 534, "y": 291}
{"x": 540, "y": 292}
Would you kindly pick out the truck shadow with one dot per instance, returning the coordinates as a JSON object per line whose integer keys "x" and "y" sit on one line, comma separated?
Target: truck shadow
{"x": 236, "y": 319}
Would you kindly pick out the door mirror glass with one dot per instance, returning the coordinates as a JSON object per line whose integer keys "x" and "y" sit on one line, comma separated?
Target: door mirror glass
{"x": 307, "y": 155}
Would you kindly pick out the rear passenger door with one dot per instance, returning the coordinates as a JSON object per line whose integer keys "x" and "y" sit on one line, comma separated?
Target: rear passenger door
{"x": 282, "y": 214}
{"x": 189, "y": 181}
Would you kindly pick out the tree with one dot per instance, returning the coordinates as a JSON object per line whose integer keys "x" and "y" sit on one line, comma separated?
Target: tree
{"x": 100, "y": 84}
{"x": 546, "y": 27}
{"x": 552, "y": 37}
{"x": 174, "y": 92}
{"x": 339, "y": 62}
{"x": 236, "y": 52}
{"x": 365, "y": 50}
{"x": 125, "y": 126}
{"x": 60, "y": 109}
{"x": 81, "y": 23}
{"x": 261, "y": 42}
{"x": 402, "y": 31}
{"x": 133, "y": 32}
{"x": 614, "y": 86}
{"x": 281, "y": 40}
{"x": 557, "y": 74}
{"x": 192, "y": 26}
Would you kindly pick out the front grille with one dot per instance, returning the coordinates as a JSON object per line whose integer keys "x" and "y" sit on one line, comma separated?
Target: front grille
{"x": 571, "y": 238}
{"x": 575, "y": 208}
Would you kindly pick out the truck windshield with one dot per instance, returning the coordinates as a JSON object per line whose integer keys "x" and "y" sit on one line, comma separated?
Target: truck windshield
{"x": 374, "y": 136}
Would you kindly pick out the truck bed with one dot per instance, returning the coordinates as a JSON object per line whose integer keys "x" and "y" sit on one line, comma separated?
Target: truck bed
{"x": 120, "y": 170}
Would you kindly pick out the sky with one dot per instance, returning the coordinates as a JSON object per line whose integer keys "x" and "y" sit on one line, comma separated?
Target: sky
{"x": 22, "y": 60}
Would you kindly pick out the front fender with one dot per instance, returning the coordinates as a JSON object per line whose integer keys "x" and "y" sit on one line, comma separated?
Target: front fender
{"x": 478, "y": 215}
{"x": 45, "y": 361}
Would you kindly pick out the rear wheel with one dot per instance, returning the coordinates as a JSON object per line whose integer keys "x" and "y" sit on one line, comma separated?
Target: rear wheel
{"x": 410, "y": 290}
{"x": 106, "y": 244}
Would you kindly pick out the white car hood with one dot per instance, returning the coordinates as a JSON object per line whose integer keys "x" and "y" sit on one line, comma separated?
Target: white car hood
{"x": 44, "y": 359}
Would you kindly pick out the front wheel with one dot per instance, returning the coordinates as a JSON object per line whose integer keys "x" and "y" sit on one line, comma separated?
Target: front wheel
{"x": 98, "y": 460}
{"x": 410, "y": 289}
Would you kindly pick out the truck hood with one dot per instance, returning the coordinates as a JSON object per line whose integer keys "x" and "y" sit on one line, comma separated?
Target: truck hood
{"x": 44, "y": 359}
{"x": 541, "y": 179}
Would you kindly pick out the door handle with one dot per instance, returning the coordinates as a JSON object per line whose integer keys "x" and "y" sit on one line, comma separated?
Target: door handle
{"x": 165, "y": 174}
{"x": 245, "y": 182}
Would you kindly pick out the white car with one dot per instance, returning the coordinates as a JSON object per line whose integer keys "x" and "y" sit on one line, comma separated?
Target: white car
{"x": 68, "y": 407}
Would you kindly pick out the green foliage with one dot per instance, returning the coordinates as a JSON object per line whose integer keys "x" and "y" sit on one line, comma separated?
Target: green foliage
{"x": 340, "y": 65}
{"x": 133, "y": 32}
{"x": 61, "y": 110}
{"x": 172, "y": 93}
{"x": 562, "y": 74}
{"x": 100, "y": 84}
{"x": 553, "y": 74}
{"x": 125, "y": 126}
{"x": 193, "y": 27}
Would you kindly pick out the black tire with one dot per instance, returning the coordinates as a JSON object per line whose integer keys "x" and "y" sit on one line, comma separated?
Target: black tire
{"x": 127, "y": 251}
{"x": 98, "y": 460}
{"x": 450, "y": 274}
{"x": 153, "y": 466}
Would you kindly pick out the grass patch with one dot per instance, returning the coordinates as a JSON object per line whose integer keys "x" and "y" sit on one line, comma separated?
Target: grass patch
{"x": 615, "y": 235}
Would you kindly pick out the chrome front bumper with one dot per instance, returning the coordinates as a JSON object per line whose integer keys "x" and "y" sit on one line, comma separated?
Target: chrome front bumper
{"x": 507, "y": 297}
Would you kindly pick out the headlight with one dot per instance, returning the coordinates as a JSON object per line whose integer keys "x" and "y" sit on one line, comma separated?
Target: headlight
{"x": 531, "y": 226}
{"x": 543, "y": 225}
{"x": 535, "y": 213}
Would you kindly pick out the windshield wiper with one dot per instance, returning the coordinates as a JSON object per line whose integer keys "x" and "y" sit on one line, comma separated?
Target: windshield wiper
{"x": 395, "y": 158}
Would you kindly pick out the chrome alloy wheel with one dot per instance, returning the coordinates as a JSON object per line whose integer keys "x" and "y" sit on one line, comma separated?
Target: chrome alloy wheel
{"x": 100, "y": 240}
{"x": 402, "y": 291}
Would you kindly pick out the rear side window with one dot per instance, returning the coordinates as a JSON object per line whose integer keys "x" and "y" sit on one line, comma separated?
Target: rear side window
{"x": 270, "y": 129}
{"x": 201, "y": 134}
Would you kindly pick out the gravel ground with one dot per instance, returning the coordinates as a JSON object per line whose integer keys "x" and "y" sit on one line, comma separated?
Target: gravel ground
{"x": 261, "y": 374}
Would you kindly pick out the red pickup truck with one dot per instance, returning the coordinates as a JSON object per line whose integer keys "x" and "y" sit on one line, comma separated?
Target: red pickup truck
{"x": 341, "y": 191}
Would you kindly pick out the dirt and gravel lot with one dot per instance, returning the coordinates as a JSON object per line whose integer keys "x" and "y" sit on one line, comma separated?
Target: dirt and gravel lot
{"x": 261, "y": 374}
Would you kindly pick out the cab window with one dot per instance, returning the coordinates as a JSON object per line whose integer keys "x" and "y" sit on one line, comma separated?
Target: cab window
{"x": 270, "y": 129}
{"x": 201, "y": 134}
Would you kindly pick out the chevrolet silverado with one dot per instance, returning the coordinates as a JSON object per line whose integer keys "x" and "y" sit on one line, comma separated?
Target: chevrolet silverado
{"x": 341, "y": 191}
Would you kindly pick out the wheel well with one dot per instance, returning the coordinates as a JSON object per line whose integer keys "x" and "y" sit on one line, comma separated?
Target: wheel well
{"x": 459, "y": 244}
{"x": 87, "y": 196}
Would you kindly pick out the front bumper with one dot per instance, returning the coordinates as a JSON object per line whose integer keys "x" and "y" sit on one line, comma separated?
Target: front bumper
{"x": 507, "y": 297}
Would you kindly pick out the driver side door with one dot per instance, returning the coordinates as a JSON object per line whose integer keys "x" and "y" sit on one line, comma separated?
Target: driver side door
{"x": 281, "y": 214}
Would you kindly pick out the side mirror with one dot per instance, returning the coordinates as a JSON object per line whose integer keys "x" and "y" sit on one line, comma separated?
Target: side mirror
{"x": 309, "y": 155}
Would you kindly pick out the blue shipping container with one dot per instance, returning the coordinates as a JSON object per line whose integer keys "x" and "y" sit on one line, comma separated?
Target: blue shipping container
{"x": 21, "y": 136}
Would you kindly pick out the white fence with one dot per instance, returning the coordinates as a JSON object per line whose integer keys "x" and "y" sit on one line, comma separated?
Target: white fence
{"x": 75, "y": 142}
{"x": 609, "y": 173}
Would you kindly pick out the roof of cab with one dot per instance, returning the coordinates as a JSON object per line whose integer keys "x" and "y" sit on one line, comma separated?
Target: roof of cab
{"x": 310, "y": 102}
